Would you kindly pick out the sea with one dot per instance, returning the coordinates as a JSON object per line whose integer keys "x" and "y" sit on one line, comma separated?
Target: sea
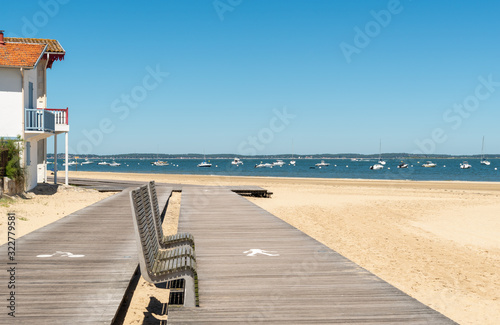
{"x": 446, "y": 169}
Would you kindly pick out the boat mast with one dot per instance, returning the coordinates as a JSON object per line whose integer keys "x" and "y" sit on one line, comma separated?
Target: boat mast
{"x": 380, "y": 151}
{"x": 482, "y": 150}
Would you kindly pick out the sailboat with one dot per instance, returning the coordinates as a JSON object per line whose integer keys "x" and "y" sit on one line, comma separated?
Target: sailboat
{"x": 381, "y": 163}
{"x": 484, "y": 161}
{"x": 292, "y": 162}
{"x": 204, "y": 163}
{"x": 159, "y": 162}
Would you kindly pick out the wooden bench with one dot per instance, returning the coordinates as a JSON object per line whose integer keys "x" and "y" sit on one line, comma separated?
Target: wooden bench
{"x": 161, "y": 265}
{"x": 183, "y": 238}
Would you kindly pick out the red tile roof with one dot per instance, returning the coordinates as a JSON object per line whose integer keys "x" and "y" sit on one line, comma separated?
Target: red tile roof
{"x": 21, "y": 55}
{"x": 53, "y": 45}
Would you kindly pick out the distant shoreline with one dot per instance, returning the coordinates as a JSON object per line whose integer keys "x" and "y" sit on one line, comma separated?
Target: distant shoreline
{"x": 308, "y": 157}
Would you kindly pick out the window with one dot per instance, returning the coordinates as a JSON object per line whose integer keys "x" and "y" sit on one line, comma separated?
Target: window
{"x": 30, "y": 94}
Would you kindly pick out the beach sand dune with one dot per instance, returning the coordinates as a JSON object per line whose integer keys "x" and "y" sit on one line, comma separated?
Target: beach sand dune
{"x": 436, "y": 241}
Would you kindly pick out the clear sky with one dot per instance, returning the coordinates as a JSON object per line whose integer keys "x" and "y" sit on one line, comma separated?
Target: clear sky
{"x": 253, "y": 77}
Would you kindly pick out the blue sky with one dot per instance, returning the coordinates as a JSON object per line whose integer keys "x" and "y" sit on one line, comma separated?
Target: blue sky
{"x": 247, "y": 77}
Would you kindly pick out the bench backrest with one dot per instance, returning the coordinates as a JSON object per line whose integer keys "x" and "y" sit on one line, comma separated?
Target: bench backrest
{"x": 156, "y": 210}
{"x": 144, "y": 222}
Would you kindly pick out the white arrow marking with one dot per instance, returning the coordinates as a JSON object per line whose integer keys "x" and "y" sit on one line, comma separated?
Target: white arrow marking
{"x": 61, "y": 254}
{"x": 254, "y": 251}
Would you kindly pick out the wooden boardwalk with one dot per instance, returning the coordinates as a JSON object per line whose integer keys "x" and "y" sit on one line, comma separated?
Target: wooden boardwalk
{"x": 76, "y": 270}
{"x": 254, "y": 268}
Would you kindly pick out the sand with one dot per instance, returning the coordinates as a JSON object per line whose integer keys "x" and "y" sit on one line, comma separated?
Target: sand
{"x": 436, "y": 241}
{"x": 45, "y": 204}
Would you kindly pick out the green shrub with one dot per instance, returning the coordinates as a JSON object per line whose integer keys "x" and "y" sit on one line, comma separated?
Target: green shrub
{"x": 13, "y": 168}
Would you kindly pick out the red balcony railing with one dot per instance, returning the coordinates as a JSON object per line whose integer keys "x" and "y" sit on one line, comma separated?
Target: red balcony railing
{"x": 61, "y": 115}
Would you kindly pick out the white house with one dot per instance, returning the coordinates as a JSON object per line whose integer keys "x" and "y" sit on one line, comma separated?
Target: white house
{"x": 23, "y": 101}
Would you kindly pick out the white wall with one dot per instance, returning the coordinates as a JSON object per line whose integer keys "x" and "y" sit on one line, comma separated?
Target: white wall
{"x": 41, "y": 98}
{"x": 30, "y": 76}
{"x": 11, "y": 112}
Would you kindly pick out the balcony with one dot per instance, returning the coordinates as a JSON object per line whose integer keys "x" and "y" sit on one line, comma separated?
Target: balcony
{"x": 61, "y": 118}
{"x": 46, "y": 120}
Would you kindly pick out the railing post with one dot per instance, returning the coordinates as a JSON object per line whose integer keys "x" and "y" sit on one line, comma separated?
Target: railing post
{"x": 42, "y": 121}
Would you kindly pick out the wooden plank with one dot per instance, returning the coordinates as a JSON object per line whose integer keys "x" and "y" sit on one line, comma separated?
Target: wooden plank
{"x": 294, "y": 279}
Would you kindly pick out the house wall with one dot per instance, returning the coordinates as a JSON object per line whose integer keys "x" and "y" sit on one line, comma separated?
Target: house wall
{"x": 31, "y": 144}
{"x": 41, "y": 98}
{"x": 30, "y": 76}
{"x": 13, "y": 101}
{"x": 11, "y": 115}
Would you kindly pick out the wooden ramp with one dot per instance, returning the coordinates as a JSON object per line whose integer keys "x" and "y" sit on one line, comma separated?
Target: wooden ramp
{"x": 254, "y": 268}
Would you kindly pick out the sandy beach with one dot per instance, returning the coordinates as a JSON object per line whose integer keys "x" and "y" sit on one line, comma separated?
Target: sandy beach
{"x": 436, "y": 241}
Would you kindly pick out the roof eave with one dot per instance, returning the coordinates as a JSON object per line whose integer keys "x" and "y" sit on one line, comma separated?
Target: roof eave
{"x": 40, "y": 57}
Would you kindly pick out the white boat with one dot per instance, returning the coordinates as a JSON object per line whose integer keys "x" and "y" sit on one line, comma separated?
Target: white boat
{"x": 103, "y": 163}
{"x": 264, "y": 165}
{"x": 278, "y": 162}
{"x": 429, "y": 164}
{"x": 204, "y": 163}
{"x": 159, "y": 163}
{"x": 403, "y": 165}
{"x": 292, "y": 162}
{"x": 484, "y": 161}
{"x": 114, "y": 164}
{"x": 377, "y": 167}
{"x": 381, "y": 163}
{"x": 322, "y": 164}
{"x": 71, "y": 163}
{"x": 236, "y": 162}
{"x": 465, "y": 165}
{"x": 87, "y": 162}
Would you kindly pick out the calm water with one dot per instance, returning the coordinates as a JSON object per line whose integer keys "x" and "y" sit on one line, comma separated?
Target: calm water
{"x": 447, "y": 169}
